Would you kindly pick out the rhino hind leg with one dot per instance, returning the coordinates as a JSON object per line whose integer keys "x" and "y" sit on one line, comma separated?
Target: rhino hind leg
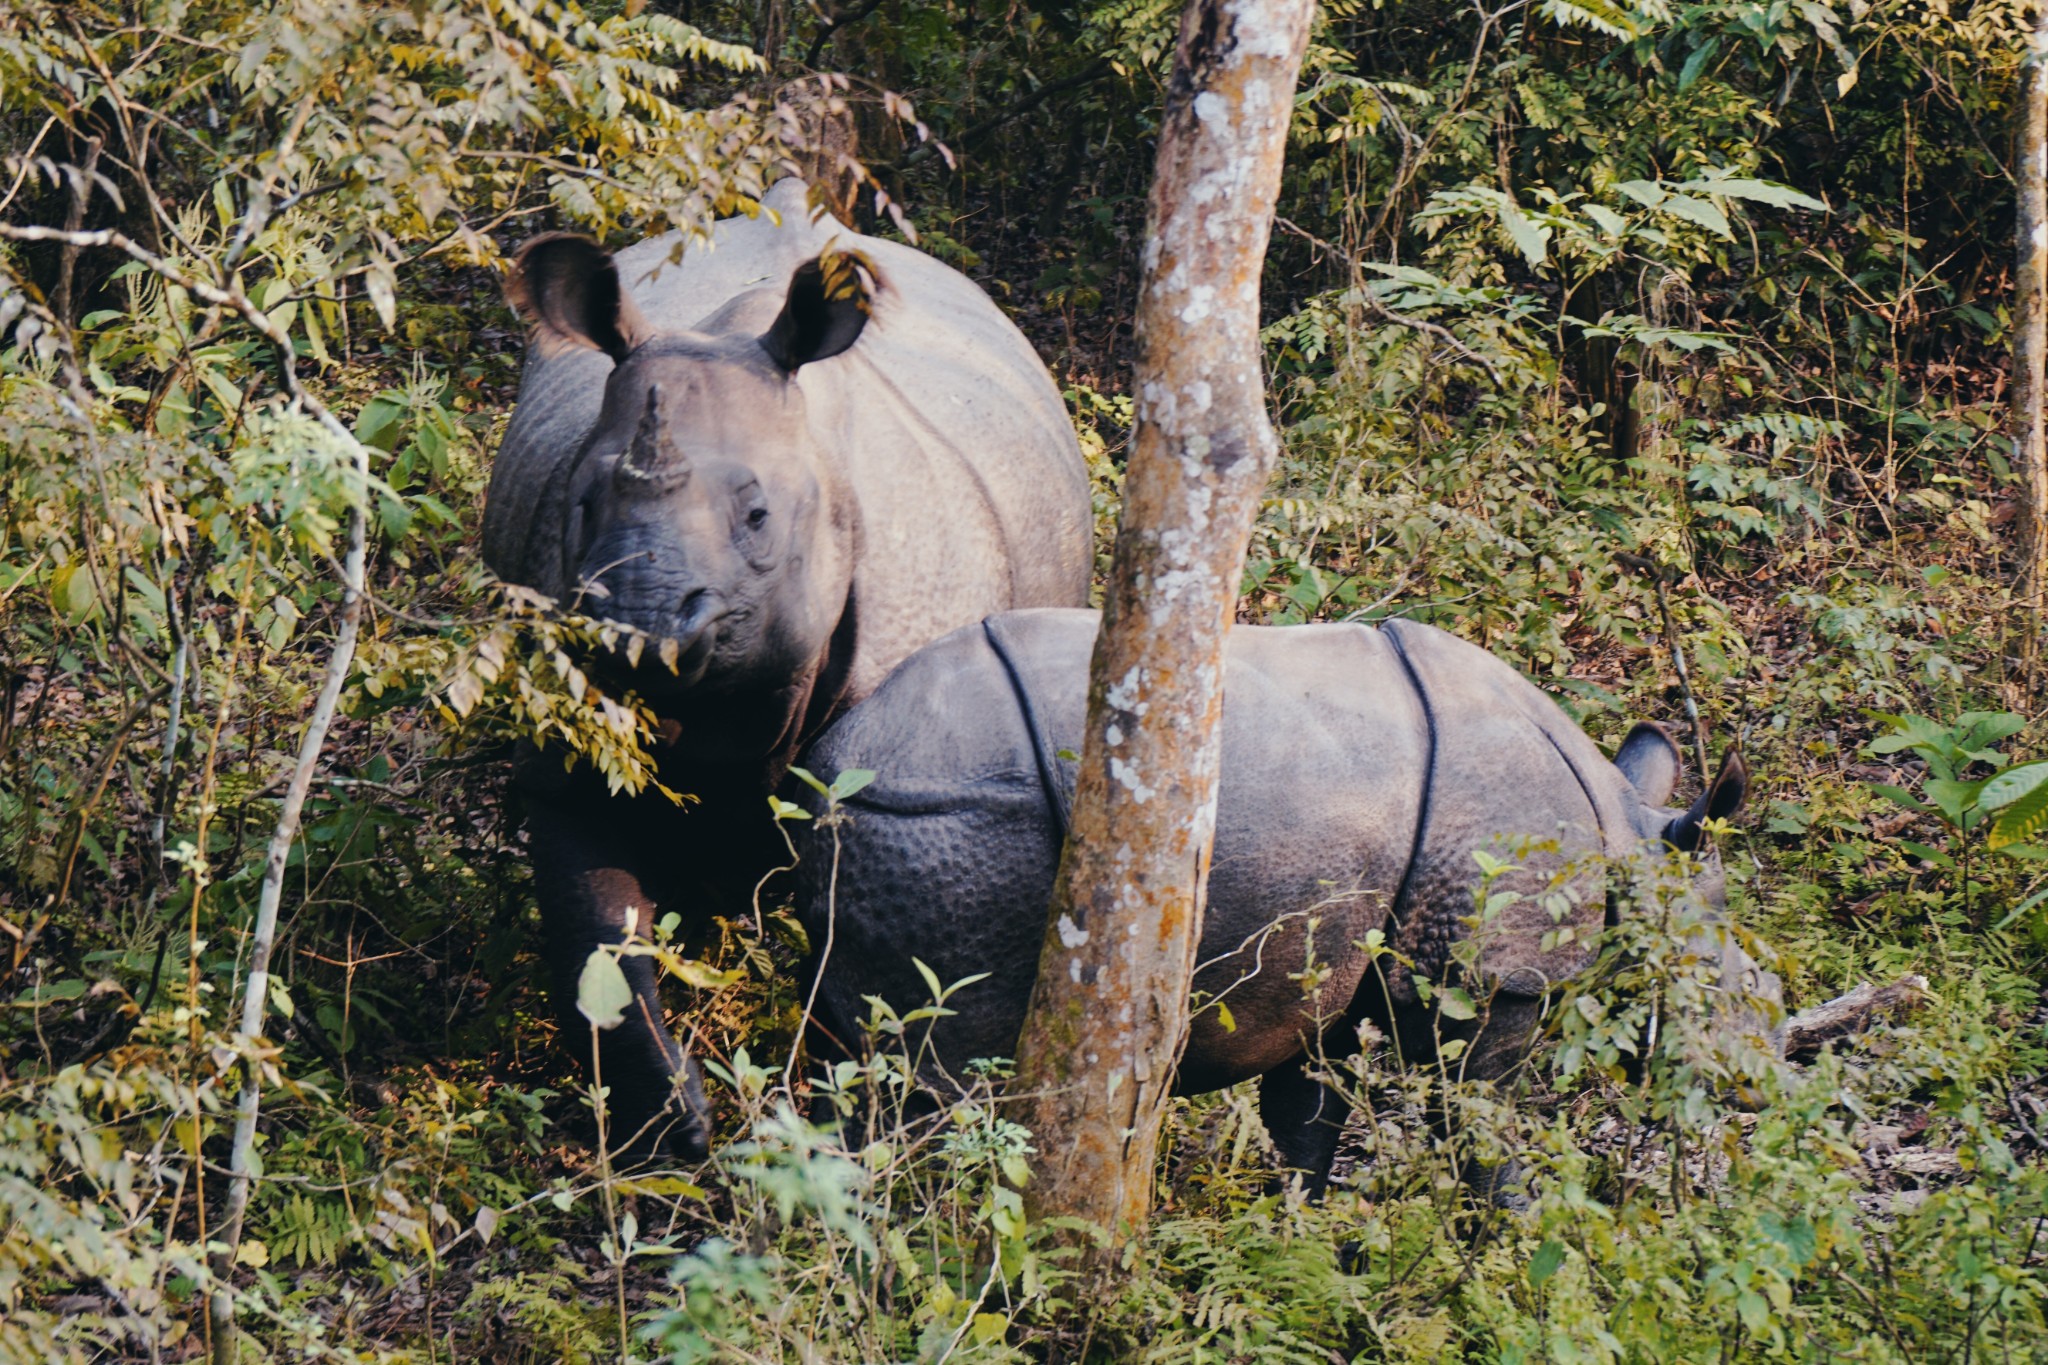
{"x": 1497, "y": 1043}
{"x": 1305, "y": 1119}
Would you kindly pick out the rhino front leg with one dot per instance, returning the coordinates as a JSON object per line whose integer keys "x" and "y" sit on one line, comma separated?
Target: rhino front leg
{"x": 592, "y": 865}
{"x": 1305, "y": 1119}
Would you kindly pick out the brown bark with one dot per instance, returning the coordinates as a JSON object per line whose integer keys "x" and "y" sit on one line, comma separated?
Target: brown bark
{"x": 1110, "y": 1011}
{"x": 2030, "y": 331}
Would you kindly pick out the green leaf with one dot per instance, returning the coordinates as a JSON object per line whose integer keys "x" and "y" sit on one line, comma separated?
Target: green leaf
{"x": 2020, "y": 819}
{"x": 1899, "y": 795}
{"x": 786, "y": 810}
{"x": 1954, "y": 799}
{"x": 1926, "y": 854}
{"x": 703, "y": 975}
{"x": 1697, "y": 62}
{"x": 602, "y": 994}
{"x": 849, "y": 782}
{"x": 2012, "y": 784}
{"x": 1700, "y": 211}
{"x": 1757, "y": 191}
{"x": 1545, "y": 1262}
{"x": 1457, "y": 1004}
{"x": 1648, "y": 193}
{"x": 989, "y": 1328}
{"x": 1795, "y": 1234}
{"x": 1531, "y": 240}
{"x": 1225, "y": 1017}
{"x": 2018, "y": 911}
{"x": 1610, "y": 222}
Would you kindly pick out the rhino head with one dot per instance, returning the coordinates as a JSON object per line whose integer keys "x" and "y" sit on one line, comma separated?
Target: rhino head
{"x": 1752, "y": 997}
{"x": 701, "y": 509}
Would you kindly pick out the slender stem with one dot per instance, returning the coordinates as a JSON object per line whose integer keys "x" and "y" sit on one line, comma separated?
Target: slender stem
{"x": 256, "y": 988}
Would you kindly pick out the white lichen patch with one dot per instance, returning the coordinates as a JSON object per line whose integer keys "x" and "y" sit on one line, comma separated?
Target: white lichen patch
{"x": 1071, "y": 934}
{"x": 1124, "y": 696}
{"x": 1127, "y": 776}
{"x": 1260, "y": 32}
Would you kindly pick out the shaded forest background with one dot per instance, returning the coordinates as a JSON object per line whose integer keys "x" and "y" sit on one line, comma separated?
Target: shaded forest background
{"x": 1607, "y": 335}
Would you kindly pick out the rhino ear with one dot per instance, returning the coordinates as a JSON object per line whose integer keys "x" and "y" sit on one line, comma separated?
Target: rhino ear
{"x": 1721, "y": 799}
{"x": 567, "y": 289}
{"x": 1650, "y": 760}
{"x": 828, "y": 305}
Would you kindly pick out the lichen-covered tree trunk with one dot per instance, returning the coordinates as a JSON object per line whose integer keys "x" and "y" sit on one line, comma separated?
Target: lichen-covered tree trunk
{"x": 1110, "y": 1011}
{"x": 2030, "y": 330}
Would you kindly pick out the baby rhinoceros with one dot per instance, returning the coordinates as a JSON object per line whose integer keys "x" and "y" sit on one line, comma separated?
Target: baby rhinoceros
{"x": 1362, "y": 768}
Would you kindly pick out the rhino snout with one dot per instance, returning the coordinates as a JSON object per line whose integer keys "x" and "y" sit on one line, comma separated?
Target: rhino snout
{"x": 695, "y": 631}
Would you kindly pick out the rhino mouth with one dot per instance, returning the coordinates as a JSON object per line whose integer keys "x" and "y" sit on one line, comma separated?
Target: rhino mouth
{"x": 678, "y": 648}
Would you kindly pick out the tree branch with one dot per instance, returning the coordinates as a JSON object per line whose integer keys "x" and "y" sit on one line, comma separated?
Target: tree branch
{"x": 1372, "y": 305}
{"x": 1086, "y": 75}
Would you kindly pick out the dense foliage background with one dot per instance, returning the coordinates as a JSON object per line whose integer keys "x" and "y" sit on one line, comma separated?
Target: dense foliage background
{"x": 1582, "y": 316}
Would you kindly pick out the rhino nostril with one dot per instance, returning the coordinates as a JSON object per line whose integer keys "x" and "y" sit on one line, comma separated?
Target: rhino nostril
{"x": 695, "y": 613}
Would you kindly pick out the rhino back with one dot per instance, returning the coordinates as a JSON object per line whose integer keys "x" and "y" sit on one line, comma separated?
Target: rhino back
{"x": 942, "y": 420}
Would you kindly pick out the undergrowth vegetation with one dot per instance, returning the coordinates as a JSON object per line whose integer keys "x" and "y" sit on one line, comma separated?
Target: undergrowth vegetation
{"x": 1658, "y": 348}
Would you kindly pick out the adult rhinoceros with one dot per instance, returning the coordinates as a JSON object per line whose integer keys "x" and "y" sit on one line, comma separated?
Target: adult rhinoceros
{"x": 1361, "y": 770}
{"x": 796, "y": 471}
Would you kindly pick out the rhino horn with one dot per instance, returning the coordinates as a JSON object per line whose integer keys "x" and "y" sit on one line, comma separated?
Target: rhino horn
{"x": 1721, "y": 799}
{"x": 654, "y": 457}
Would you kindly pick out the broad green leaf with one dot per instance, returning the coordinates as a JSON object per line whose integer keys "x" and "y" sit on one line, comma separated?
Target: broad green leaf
{"x": 1757, "y": 191}
{"x": 849, "y": 782}
{"x": 2012, "y": 784}
{"x": 1899, "y": 795}
{"x": 1697, "y": 62}
{"x": 2020, "y": 819}
{"x": 1531, "y": 240}
{"x": 1700, "y": 211}
{"x": 602, "y": 994}
{"x": 1610, "y": 222}
{"x": 1545, "y": 1262}
{"x": 1457, "y": 1004}
{"x": 1952, "y": 798}
{"x": 1796, "y": 1234}
{"x": 1648, "y": 193}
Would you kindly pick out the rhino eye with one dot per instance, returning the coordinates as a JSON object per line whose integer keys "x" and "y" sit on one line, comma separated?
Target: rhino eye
{"x": 757, "y": 518}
